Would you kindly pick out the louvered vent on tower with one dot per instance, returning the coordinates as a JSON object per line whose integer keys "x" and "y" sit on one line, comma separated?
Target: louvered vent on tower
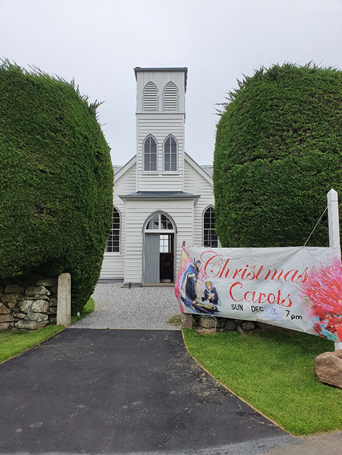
{"x": 150, "y": 98}
{"x": 170, "y": 97}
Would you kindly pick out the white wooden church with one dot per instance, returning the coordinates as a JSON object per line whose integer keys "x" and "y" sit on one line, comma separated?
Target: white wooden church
{"x": 162, "y": 197}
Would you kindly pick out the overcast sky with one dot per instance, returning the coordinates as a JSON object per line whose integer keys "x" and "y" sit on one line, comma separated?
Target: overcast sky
{"x": 99, "y": 42}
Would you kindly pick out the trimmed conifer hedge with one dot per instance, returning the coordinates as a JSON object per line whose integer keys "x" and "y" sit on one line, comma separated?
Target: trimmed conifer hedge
{"x": 278, "y": 152}
{"x": 56, "y": 181}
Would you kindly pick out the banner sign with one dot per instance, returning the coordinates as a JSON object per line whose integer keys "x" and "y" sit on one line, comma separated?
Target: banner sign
{"x": 297, "y": 288}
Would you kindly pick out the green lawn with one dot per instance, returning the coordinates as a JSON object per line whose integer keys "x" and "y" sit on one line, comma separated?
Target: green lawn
{"x": 274, "y": 371}
{"x": 13, "y": 343}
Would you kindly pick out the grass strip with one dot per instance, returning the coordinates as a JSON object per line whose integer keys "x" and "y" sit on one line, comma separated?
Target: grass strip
{"x": 88, "y": 308}
{"x": 273, "y": 371}
{"x": 15, "y": 342}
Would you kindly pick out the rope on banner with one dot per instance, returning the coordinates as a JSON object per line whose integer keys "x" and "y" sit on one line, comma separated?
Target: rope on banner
{"x": 313, "y": 230}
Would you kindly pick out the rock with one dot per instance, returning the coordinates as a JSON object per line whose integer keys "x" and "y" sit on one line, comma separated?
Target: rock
{"x": 38, "y": 297}
{"x": 186, "y": 321}
{"x": 208, "y": 322}
{"x": 53, "y": 289}
{"x": 4, "y": 309}
{"x": 25, "y": 306}
{"x": 248, "y": 326}
{"x": 37, "y": 290}
{"x": 40, "y": 306}
{"x": 14, "y": 289}
{"x": 21, "y": 316}
{"x": 38, "y": 317}
{"x": 204, "y": 331}
{"x": 221, "y": 322}
{"x": 230, "y": 325}
{"x": 1, "y": 288}
{"x": 7, "y": 318}
{"x": 47, "y": 282}
{"x": 53, "y": 310}
{"x": 11, "y": 305}
{"x": 329, "y": 368}
{"x": 10, "y": 298}
{"x": 53, "y": 301}
{"x": 4, "y": 325}
{"x": 64, "y": 300}
{"x": 265, "y": 326}
{"x": 30, "y": 325}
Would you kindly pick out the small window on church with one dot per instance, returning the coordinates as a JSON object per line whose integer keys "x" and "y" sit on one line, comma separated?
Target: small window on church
{"x": 150, "y": 154}
{"x": 113, "y": 241}
{"x": 170, "y": 154}
{"x": 170, "y": 97}
{"x": 150, "y": 97}
{"x": 210, "y": 239}
{"x": 165, "y": 243}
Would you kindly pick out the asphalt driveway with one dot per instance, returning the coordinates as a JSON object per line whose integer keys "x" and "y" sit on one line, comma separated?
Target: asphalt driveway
{"x": 103, "y": 391}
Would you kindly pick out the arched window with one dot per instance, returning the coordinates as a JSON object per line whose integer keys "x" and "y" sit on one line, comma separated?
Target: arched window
{"x": 159, "y": 222}
{"x": 150, "y": 154}
{"x": 170, "y": 154}
{"x": 210, "y": 239}
{"x": 113, "y": 241}
{"x": 170, "y": 97}
{"x": 150, "y": 97}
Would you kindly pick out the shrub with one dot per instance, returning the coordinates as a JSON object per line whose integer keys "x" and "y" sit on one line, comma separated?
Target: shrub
{"x": 277, "y": 154}
{"x": 56, "y": 181}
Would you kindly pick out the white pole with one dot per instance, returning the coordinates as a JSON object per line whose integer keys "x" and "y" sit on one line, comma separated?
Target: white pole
{"x": 334, "y": 225}
{"x": 334, "y": 231}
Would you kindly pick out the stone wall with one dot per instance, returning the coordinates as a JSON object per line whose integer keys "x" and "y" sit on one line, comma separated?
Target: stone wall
{"x": 206, "y": 325}
{"x": 27, "y": 304}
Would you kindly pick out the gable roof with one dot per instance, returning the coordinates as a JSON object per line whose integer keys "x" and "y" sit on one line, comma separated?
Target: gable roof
{"x": 207, "y": 168}
{"x": 121, "y": 170}
{"x": 203, "y": 172}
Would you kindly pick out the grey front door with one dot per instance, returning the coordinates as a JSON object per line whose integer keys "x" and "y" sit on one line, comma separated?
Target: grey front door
{"x": 151, "y": 270}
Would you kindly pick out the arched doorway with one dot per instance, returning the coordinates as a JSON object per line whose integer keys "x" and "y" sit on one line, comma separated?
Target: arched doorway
{"x": 159, "y": 247}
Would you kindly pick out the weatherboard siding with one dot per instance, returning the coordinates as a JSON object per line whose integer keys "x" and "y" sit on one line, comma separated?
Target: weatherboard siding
{"x": 161, "y": 79}
{"x": 114, "y": 263}
{"x": 137, "y": 213}
{"x": 188, "y": 217}
{"x": 195, "y": 183}
{"x": 163, "y": 126}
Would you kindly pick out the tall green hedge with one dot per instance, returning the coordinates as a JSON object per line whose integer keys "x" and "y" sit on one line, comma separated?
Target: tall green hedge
{"x": 56, "y": 181}
{"x": 278, "y": 152}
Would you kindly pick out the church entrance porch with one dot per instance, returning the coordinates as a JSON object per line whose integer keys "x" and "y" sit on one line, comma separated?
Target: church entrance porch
{"x": 158, "y": 259}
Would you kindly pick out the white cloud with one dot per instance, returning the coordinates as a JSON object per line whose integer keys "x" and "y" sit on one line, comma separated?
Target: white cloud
{"x": 99, "y": 42}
